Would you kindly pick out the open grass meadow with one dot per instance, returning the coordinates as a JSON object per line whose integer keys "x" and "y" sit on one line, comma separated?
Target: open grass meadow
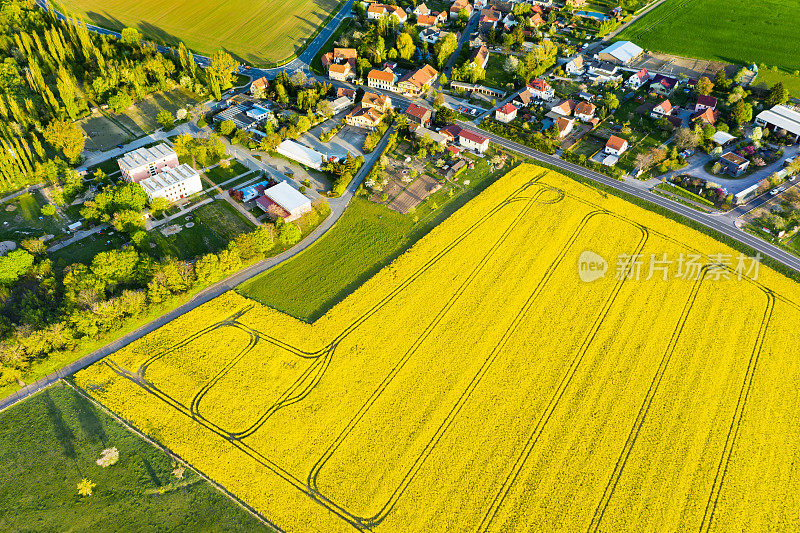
{"x": 258, "y": 32}
{"x": 733, "y": 31}
{"x": 209, "y": 228}
{"x": 515, "y": 368}
{"x": 50, "y": 442}
{"x": 21, "y": 218}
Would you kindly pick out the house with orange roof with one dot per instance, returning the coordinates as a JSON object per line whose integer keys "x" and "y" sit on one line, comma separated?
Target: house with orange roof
{"x": 382, "y": 79}
{"x": 506, "y": 114}
{"x": 615, "y": 145}
{"x": 416, "y": 82}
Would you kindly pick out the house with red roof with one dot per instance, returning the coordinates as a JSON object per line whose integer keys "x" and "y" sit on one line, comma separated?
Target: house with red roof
{"x": 616, "y": 145}
{"x": 506, "y": 114}
{"x": 638, "y": 79}
{"x": 705, "y": 102}
{"x": 420, "y": 115}
{"x": 473, "y": 141}
{"x": 540, "y": 89}
{"x": 662, "y": 109}
{"x": 663, "y": 85}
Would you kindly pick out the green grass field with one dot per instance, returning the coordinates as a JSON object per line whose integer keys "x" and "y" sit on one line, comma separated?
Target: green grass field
{"x": 366, "y": 238}
{"x": 220, "y": 175}
{"x": 22, "y": 220}
{"x": 733, "y": 31}
{"x": 215, "y": 225}
{"x": 259, "y": 31}
{"x": 52, "y": 440}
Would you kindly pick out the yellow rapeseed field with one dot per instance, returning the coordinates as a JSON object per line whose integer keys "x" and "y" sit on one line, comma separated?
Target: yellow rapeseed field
{"x": 547, "y": 359}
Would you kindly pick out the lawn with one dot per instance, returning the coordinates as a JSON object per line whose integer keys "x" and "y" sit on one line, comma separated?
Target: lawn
{"x": 495, "y": 75}
{"x": 51, "y": 441}
{"x": 316, "y": 62}
{"x": 724, "y": 30}
{"x": 258, "y": 31}
{"x": 84, "y": 250}
{"x": 214, "y": 226}
{"x": 219, "y": 174}
{"x": 20, "y": 218}
{"x": 144, "y": 113}
{"x": 768, "y": 78}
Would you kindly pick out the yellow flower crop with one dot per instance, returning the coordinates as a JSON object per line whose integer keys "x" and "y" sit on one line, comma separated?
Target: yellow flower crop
{"x": 548, "y": 358}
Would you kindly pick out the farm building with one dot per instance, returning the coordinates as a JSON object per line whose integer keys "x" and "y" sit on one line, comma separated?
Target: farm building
{"x": 341, "y": 63}
{"x": 284, "y": 201}
{"x": 172, "y": 183}
{"x": 145, "y": 162}
{"x": 778, "y": 118}
{"x": 620, "y": 53}
{"x": 302, "y": 154}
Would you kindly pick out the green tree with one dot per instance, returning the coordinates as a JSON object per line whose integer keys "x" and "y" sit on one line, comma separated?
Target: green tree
{"x": 131, "y": 36}
{"x": 166, "y": 119}
{"x": 741, "y": 112}
{"x": 159, "y": 205}
{"x": 289, "y": 234}
{"x": 65, "y": 136}
{"x": 778, "y": 94}
{"x": 48, "y": 210}
{"x": 226, "y": 127}
{"x": 444, "y": 48}
{"x": 223, "y": 65}
{"x": 610, "y": 101}
{"x": 120, "y": 102}
{"x": 14, "y": 265}
{"x": 704, "y": 86}
{"x": 405, "y": 46}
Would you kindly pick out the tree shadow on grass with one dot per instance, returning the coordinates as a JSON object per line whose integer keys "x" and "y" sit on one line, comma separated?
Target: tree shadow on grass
{"x": 91, "y": 424}
{"x": 62, "y": 432}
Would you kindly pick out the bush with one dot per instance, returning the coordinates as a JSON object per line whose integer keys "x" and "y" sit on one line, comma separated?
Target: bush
{"x": 48, "y": 210}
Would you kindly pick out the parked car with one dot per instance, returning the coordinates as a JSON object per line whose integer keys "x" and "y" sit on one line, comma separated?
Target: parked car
{"x": 788, "y": 162}
{"x": 687, "y": 153}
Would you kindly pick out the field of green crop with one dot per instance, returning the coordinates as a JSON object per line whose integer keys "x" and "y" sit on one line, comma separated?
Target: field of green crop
{"x": 259, "y": 31}
{"x": 725, "y": 30}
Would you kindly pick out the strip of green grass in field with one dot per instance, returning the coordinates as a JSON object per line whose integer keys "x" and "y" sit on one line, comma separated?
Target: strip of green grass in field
{"x": 52, "y": 441}
{"x": 732, "y": 31}
{"x": 680, "y": 191}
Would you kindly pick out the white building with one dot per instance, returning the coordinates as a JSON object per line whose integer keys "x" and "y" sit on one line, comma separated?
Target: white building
{"x": 506, "y": 114}
{"x": 620, "y": 53}
{"x": 302, "y": 154}
{"x": 173, "y": 183}
{"x": 473, "y": 141}
{"x": 284, "y": 201}
{"x": 146, "y": 162}
{"x": 778, "y": 118}
{"x": 616, "y": 146}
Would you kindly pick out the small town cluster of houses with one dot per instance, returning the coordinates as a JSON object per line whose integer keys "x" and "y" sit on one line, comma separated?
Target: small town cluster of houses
{"x": 161, "y": 175}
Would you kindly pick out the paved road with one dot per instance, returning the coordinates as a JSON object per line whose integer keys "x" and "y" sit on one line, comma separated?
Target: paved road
{"x": 338, "y": 206}
{"x": 724, "y": 225}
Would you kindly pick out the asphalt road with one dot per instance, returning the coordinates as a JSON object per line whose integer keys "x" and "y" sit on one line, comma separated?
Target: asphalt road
{"x": 724, "y": 225}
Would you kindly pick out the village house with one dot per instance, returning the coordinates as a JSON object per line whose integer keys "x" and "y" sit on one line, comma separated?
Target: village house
{"x": 638, "y": 79}
{"x": 564, "y": 109}
{"x": 379, "y": 11}
{"x": 616, "y": 145}
{"x": 480, "y": 57}
{"x": 706, "y": 116}
{"x": 734, "y": 164}
{"x": 663, "y": 85}
{"x": 451, "y": 132}
{"x": 540, "y": 89}
{"x": 473, "y": 141}
{"x": 536, "y": 20}
{"x": 457, "y": 6}
{"x": 258, "y": 87}
{"x": 419, "y": 115}
{"x": 662, "y": 109}
{"x": 506, "y": 114}
{"x": 427, "y": 21}
{"x": 364, "y": 117}
{"x": 421, "y": 9}
{"x": 382, "y": 79}
{"x": 585, "y": 111}
{"x": 432, "y": 35}
{"x": 523, "y": 99}
{"x": 564, "y": 126}
{"x": 341, "y": 72}
{"x": 603, "y": 71}
{"x": 376, "y": 101}
{"x": 416, "y": 82}
{"x": 575, "y": 66}
{"x": 705, "y": 102}
{"x": 423, "y": 132}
